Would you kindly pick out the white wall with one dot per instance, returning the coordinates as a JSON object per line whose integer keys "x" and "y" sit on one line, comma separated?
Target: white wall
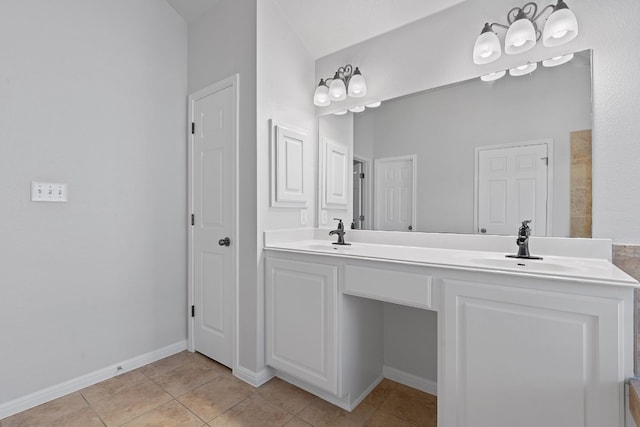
{"x": 221, "y": 43}
{"x": 93, "y": 95}
{"x": 285, "y": 76}
{"x": 443, "y": 127}
{"x": 430, "y": 53}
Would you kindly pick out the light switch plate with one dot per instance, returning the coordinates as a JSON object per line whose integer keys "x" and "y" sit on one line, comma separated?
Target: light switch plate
{"x": 49, "y": 192}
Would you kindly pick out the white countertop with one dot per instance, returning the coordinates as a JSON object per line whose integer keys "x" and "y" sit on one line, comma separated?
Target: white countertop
{"x": 558, "y": 267}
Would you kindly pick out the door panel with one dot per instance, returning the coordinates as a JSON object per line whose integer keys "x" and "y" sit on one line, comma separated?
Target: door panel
{"x": 512, "y": 187}
{"x": 394, "y": 200}
{"x": 213, "y": 206}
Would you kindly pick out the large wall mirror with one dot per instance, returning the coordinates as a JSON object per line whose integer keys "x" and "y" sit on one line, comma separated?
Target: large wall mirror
{"x": 474, "y": 156}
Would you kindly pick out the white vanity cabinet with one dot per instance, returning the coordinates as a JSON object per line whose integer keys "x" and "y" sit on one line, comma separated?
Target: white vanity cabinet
{"x": 301, "y": 321}
{"x": 533, "y": 353}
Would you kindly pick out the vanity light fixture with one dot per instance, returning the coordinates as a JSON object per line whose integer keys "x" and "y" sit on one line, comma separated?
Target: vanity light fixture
{"x": 523, "y": 33}
{"x": 358, "y": 109}
{"x": 557, "y": 60}
{"x": 341, "y": 112}
{"x": 374, "y": 104}
{"x": 346, "y": 81}
{"x": 523, "y": 69}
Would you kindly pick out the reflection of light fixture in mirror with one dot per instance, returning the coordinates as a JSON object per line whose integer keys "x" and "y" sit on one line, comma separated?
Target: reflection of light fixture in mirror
{"x": 374, "y": 104}
{"x": 523, "y": 69}
{"x": 523, "y": 33}
{"x": 557, "y": 60}
{"x": 493, "y": 76}
{"x": 345, "y": 82}
{"x": 358, "y": 109}
{"x": 341, "y": 112}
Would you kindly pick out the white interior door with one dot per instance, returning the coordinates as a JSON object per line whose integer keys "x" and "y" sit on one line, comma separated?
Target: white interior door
{"x": 213, "y": 201}
{"x": 512, "y": 187}
{"x": 395, "y": 194}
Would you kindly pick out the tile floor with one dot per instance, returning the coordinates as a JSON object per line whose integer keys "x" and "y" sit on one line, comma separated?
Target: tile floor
{"x": 191, "y": 390}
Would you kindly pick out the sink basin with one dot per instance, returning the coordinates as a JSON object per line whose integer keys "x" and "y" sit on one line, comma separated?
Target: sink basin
{"x": 328, "y": 246}
{"x": 540, "y": 266}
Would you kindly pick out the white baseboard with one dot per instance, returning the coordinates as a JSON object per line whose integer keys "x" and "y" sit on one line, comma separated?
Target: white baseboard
{"x": 410, "y": 380}
{"x": 365, "y": 393}
{"x": 45, "y": 395}
{"x": 255, "y": 379}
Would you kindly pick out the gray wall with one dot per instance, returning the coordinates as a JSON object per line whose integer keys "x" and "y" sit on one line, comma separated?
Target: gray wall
{"x": 221, "y": 43}
{"x": 93, "y": 95}
{"x": 444, "y": 126}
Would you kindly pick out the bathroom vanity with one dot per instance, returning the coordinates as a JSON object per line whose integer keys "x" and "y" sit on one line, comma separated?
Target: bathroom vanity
{"x": 526, "y": 343}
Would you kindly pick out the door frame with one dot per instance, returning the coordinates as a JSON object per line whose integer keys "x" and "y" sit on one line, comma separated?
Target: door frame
{"x": 476, "y": 177}
{"x": 234, "y": 83}
{"x": 368, "y": 177}
{"x": 414, "y": 160}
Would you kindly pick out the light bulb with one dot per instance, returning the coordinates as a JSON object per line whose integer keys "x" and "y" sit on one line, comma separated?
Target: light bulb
{"x": 487, "y": 47}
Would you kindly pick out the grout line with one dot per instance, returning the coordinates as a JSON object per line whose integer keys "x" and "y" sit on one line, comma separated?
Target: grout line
{"x": 189, "y": 410}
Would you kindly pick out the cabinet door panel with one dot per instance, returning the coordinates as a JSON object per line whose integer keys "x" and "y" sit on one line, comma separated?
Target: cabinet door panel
{"x": 530, "y": 358}
{"x": 301, "y": 309}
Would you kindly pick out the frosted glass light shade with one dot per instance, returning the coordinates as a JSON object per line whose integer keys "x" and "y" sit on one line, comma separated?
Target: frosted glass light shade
{"x": 337, "y": 90}
{"x": 557, "y": 60}
{"x": 493, "y": 76}
{"x": 340, "y": 113}
{"x": 358, "y": 109}
{"x": 521, "y": 36}
{"x": 321, "y": 96}
{"x": 560, "y": 28}
{"x": 487, "y": 48}
{"x": 523, "y": 69}
{"x": 357, "y": 85}
{"x": 374, "y": 104}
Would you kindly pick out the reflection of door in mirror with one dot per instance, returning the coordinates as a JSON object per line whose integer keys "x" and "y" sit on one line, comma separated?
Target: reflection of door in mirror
{"x": 358, "y": 195}
{"x": 395, "y": 193}
{"x": 512, "y": 187}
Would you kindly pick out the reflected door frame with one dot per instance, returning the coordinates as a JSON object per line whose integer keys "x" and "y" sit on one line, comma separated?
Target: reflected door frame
{"x": 476, "y": 177}
{"x": 367, "y": 169}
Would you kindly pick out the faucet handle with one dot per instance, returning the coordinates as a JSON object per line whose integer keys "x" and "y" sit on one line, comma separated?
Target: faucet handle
{"x": 340, "y": 224}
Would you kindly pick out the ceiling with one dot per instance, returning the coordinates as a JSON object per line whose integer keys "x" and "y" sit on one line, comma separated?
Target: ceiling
{"x": 327, "y": 26}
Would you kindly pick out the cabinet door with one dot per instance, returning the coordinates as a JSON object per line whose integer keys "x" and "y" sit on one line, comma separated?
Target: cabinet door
{"x": 301, "y": 319}
{"x": 530, "y": 358}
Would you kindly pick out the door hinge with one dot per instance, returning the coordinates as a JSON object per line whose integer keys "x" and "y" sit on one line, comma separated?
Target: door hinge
{"x": 362, "y": 175}
{"x": 193, "y": 219}
{"x": 193, "y": 128}
{"x": 193, "y": 311}
{"x": 546, "y": 160}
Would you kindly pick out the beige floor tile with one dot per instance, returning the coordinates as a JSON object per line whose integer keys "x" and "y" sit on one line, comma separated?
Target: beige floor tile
{"x": 171, "y": 414}
{"x": 47, "y": 413}
{"x": 131, "y": 403}
{"x": 253, "y": 411}
{"x": 213, "y": 398}
{"x": 380, "y": 393}
{"x": 323, "y": 414}
{"x": 167, "y": 364}
{"x": 411, "y": 405}
{"x": 115, "y": 385}
{"x": 285, "y": 396}
{"x": 382, "y": 419}
{"x": 187, "y": 377}
{"x": 85, "y": 417}
{"x": 297, "y": 422}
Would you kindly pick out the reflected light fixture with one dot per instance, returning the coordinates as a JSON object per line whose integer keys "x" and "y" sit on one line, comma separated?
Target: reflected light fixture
{"x": 346, "y": 81}
{"x": 374, "y": 104}
{"x": 523, "y": 69}
{"x": 341, "y": 112}
{"x": 493, "y": 76}
{"x": 523, "y": 33}
{"x": 557, "y": 60}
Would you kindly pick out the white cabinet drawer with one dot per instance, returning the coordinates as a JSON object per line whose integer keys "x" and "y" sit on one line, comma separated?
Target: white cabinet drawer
{"x": 413, "y": 288}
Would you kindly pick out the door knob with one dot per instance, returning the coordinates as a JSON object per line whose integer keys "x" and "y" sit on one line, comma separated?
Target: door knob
{"x": 410, "y": 228}
{"x": 483, "y": 230}
{"x": 224, "y": 242}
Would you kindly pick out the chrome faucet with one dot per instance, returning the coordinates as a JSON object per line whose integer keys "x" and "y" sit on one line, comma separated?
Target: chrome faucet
{"x": 523, "y": 241}
{"x": 340, "y": 232}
